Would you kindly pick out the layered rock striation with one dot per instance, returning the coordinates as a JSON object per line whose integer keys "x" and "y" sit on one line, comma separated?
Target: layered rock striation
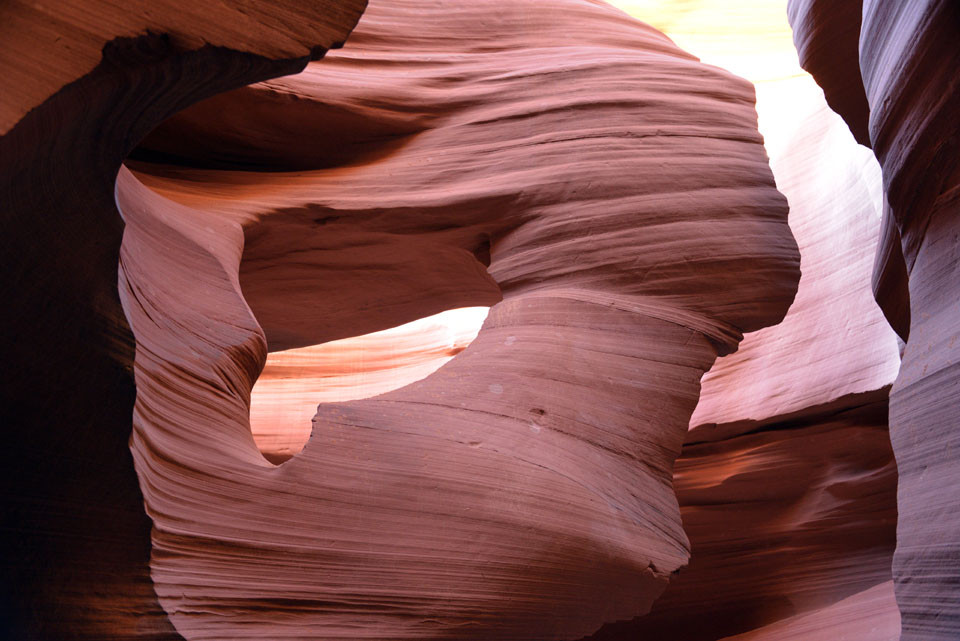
{"x": 786, "y": 482}
{"x": 786, "y": 519}
{"x": 293, "y": 382}
{"x": 906, "y": 56}
{"x": 83, "y": 82}
{"x": 609, "y": 196}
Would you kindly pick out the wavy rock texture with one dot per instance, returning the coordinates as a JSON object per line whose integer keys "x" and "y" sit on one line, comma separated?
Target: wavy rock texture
{"x": 828, "y": 50}
{"x": 907, "y": 54}
{"x": 786, "y": 517}
{"x": 827, "y": 38}
{"x": 82, "y": 83}
{"x": 458, "y": 156}
{"x": 47, "y": 47}
{"x": 813, "y": 386}
{"x": 834, "y": 342}
{"x": 611, "y": 189}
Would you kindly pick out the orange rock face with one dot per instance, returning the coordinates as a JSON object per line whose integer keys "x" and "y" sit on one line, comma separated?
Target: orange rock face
{"x": 610, "y": 189}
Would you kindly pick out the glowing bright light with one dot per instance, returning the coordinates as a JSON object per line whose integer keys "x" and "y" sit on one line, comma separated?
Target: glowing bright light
{"x": 285, "y": 397}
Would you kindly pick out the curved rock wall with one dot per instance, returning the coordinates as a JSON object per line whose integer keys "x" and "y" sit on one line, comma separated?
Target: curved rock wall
{"x": 834, "y": 343}
{"x": 606, "y": 193}
{"x": 866, "y": 615}
{"x": 907, "y": 55}
{"x": 82, "y": 83}
{"x": 619, "y": 193}
{"x": 817, "y": 380}
{"x": 786, "y": 519}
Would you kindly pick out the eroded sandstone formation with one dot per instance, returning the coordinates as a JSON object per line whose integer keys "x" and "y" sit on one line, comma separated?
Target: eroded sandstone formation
{"x": 606, "y": 193}
{"x": 611, "y": 189}
{"x": 293, "y": 382}
{"x": 83, "y": 82}
{"x": 907, "y": 56}
{"x": 786, "y": 482}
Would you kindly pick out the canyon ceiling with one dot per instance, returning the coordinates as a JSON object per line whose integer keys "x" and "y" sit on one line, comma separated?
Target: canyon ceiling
{"x": 492, "y": 320}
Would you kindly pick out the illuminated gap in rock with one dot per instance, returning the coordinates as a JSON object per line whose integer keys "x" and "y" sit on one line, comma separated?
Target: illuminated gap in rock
{"x": 293, "y": 382}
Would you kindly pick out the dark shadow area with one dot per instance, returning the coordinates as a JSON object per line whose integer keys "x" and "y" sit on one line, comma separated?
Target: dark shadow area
{"x": 75, "y": 537}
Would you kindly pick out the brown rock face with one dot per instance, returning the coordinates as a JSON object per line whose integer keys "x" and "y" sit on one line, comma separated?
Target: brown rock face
{"x": 82, "y": 83}
{"x": 865, "y": 615}
{"x": 907, "y": 56}
{"x": 610, "y": 189}
{"x": 786, "y": 518}
{"x": 606, "y": 194}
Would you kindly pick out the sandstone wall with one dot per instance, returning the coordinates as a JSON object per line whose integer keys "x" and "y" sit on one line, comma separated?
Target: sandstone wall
{"x": 907, "y": 54}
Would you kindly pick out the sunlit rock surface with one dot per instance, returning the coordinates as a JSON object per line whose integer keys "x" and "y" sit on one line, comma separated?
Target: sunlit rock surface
{"x": 605, "y": 195}
{"x": 833, "y": 355}
{"x": 785, "y": 518}
{"x": 834, "y": 341}
{"x": 865, "y": 615}
{"x": 907, "y": 54}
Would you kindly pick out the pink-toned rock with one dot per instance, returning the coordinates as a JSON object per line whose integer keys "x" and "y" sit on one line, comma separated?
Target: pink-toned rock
{"x": 786, "y": 484}
{"x": 907, "y": 56}
{"x": 786, "y": 517}
{"x": 284, "y": 400}
{"x": 619, "y": 193}
{"x": 82, "y": 82}
{"x": 834, "y": 341}
{"x": 826, "y": 35}
{"x": 48, "y": 46}
{"x": 870, "y": 615}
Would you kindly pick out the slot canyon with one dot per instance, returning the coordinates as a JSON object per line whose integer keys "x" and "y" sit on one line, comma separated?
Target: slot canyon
{"x": 500, "y": 320}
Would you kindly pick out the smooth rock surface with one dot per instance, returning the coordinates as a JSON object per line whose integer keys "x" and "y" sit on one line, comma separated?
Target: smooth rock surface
{"x": 834, "y": 341}
{"x": 48, "y": 46}
{"x": 605, "y": 193}
{"x": 832, "y": 355}
{"x": 785, "y": 518}
{"x": 870, "y": 615}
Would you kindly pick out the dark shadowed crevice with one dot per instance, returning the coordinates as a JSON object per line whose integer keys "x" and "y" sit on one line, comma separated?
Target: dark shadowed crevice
{"x": 77, "y": 541}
